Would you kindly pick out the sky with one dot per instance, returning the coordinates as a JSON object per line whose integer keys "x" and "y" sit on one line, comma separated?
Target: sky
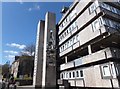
{"x": 19, "y": 25}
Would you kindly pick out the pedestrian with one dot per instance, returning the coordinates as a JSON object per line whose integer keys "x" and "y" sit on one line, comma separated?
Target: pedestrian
{"x": 3, "y": 84}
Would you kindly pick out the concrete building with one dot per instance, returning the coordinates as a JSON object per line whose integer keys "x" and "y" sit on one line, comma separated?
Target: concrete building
{"x": 89, "y": 44}
{"x": 19, "y": 67}
{"x": 15, "y": 67}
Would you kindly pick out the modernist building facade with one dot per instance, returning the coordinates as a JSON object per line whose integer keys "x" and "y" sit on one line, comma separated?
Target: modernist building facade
{"x": 89, "y": 44}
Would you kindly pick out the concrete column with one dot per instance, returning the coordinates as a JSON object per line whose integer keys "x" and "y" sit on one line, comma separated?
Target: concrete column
{"x": 38, "y": 63}
{"x": 89, "y": 49}
{"x": 49, "y": 71}
{"x": 65, "y": 59}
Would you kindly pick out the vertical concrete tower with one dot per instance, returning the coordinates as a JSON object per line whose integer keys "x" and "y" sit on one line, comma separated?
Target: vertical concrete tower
{"x": 49, "y": 52}
{"x": 38, "y": 63}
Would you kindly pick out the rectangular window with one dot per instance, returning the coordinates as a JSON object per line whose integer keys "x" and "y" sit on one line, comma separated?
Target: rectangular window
{"x": 77, "y": 73}
{"x": 66, "y": 75}
{"x": 74, "y": 40}
{"x": 96, "y": 24}
{"x": 92, "y": 8}
{"x": 61, "y": 75}
{"x": 68, "y": 44}
{"x": 81, "y": 73}
{"x": 73, "y": 74}
{"x": 71, "y": 42}
{"x": 69, "y": 74}
{"x": 105, "y": 71}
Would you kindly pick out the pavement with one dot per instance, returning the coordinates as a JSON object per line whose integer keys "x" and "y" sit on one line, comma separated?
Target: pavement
{"x": 25, "y": 87}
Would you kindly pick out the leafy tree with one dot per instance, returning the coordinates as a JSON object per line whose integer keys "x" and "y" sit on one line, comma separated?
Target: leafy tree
{"x": 28, "y": 50}
{"x": 5, "y": 70}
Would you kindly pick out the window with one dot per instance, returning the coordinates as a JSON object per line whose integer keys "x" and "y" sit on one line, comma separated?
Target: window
{"x": 69, "y": 74}
{"x": 73, "y": 74}
{"x": 68, "y": 44}
{"x": 81, "y": 73}
{"x": 92, "y": 8}
{"x": 71, "y": 42}
{"x": 77, "y": 73}
{"x": 62, "y": 76}
{"x": 67, "y": 31}
{"x": 106, "y": 71}
{"x": 73, "y": 39}
{"x": 66, "y": 75}
{"x": 95, "y": 25}
{"x": 77, "y": 37}
{"x": 65, "y": 45}
{"x": 111, "y": 23}
{"x": 60, "y": 49}
{"x": 65, "y": 34}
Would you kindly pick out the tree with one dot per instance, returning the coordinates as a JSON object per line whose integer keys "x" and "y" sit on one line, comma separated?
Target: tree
{"x": 29, "y": 50}
{"x": 5, "y": 70}
{"x": 26, "y": 59}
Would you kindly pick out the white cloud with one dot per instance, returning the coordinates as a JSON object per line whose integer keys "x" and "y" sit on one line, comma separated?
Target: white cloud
{"x": 11, "y": 52}
{"x": 10, "y": 57}
{"x": 16, "y": 45}
{"x": 28, "y": 53}
{"x": 35, "y": 7}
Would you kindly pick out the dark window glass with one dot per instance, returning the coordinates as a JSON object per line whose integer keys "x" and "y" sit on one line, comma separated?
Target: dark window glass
{"x": 77, "y": 74}
{"x": 81, "y": 73}
{"x": 70, "y": 75}
{"x": 73, "y": 74}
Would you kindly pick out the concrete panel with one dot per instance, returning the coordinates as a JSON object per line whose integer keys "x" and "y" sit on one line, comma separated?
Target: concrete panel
{"x": 67, "y": 65}
{"x": 49, "y": 71}
{"x": 115, "y": 83}
{"x": 79, "y": 83}
{"x": 38, "y": 63}
{"x": 72, "y": 82}
{"x": 89, "y": 77}
{"x": 100, "y": 55}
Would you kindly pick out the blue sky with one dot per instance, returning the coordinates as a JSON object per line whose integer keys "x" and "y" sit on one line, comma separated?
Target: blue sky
{"x": 19, "y": 24}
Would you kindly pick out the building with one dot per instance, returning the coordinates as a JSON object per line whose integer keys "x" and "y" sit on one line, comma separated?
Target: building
{"x": 89, "y": 44}
{"x": 20, "y": 69}
{"x": 15, "y": 67}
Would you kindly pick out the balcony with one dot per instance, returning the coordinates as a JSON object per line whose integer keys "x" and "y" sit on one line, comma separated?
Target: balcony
{"x": 75, "y": 63}
{"x": 104, "y": 54}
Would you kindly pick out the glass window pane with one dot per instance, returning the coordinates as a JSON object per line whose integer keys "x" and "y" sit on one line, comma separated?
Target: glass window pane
{"x": 106, "y": 71}
{"x": 81, "y": 73}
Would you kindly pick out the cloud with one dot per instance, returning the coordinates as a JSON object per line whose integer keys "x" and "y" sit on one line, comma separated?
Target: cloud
{"x": 11, "y": 52}
{"x": 35, "y": 7}
{"x": 28, "y": 53}
{"x": 16, "y": 45}
{"x": 10, "y": 57}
